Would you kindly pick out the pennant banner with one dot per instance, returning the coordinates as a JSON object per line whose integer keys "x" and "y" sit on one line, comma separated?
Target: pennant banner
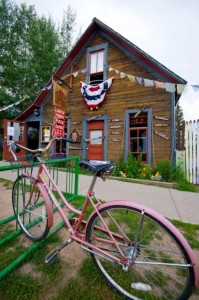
{"x": 94, "y": 94}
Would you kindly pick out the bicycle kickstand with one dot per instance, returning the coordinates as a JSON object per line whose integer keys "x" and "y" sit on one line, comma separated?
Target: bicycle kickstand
{"x": 52, "y": 256}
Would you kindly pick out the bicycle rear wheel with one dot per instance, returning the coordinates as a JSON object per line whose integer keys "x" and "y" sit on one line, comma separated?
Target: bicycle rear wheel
{"x": 159, "y": 267}
{"x": 29, "y": 208}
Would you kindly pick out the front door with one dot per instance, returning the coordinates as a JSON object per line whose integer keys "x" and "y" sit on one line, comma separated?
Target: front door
{"x": 14, "y": 131}
{"x": 95, "y": 147}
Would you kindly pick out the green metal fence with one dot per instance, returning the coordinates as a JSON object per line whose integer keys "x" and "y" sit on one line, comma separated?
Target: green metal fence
{"x": 65, "y": 172}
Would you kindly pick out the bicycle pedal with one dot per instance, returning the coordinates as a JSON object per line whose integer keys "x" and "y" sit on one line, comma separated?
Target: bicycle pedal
{"x": 51, "y": 257}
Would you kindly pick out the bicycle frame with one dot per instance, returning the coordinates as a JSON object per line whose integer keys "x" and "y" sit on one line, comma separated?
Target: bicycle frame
{"x": 76, "y": 235}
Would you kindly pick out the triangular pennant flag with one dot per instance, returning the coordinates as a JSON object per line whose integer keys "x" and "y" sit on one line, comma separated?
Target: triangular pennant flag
{"x": 110, "y": 69}
{"x": 116, "y": 71}
{"x": 139, "y": 80}
{"x": 148, "y": 82}
{"x": 83, "y": 70}
{"x": 131, "y": 77}
{"x": 170, "y": 87}
{"x": 195, "y": 87}
{"x": 122, "y": 75}
{"x": 75, "y": 74}
{"x": 180, "y": 88}
{"x": 159, "y": 85}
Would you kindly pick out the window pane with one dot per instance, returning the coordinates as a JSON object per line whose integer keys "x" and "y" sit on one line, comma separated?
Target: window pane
{"x": 93, "y": 63}
{"x": 96, "y": 137}
{"x": 143, "y": 132}
{"x": 142, "y": 145}
{"x": 100, "y": 62}
{"x": 133, "y": 145}
{"x": 96, "y": 62}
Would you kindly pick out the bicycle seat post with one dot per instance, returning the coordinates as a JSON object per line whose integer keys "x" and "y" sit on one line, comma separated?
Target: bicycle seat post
{"x": 94, "y": 179}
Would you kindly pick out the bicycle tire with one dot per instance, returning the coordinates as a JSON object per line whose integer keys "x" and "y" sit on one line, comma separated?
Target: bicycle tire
{"x": 156, "y": 244}
{"x": 32, "y": 214}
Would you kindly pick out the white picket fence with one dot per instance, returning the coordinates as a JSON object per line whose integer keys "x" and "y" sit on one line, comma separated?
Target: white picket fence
{"x": 192, "y": 151}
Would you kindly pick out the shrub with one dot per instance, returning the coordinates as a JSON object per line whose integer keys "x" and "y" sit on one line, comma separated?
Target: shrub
{"x": 133, "y": 166}
{"x": 165, "y": 170}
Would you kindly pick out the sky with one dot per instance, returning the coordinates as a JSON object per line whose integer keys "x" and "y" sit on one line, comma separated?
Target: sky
{"x": 167, "y": 30}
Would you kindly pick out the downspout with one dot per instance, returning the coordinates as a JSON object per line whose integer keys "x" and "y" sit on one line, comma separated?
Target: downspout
{"x": 173, "y": 131}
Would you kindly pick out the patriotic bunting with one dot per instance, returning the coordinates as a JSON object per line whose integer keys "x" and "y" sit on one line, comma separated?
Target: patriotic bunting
{"x": 94, "y": 94}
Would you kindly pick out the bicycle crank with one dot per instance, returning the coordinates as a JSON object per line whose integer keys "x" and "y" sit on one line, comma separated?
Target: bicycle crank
{"x": 52, "y": 256}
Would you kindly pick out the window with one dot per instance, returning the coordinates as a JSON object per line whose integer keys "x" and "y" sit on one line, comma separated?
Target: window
{"x": 96, "y": 67}
{"x": 96, "y": 64}
{"x": 138, "y": 136}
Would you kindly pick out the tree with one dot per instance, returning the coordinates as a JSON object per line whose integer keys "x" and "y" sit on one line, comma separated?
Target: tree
{"x": 31, "y": 48}
{"x": 179, "y": 114}
{"x": 67, "y": 31}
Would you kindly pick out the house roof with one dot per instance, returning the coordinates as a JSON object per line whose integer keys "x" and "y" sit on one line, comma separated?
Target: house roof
{"x": 135, "y": 52}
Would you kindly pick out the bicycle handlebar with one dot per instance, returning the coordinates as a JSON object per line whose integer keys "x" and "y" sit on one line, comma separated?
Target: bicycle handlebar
{"x": 16, "y": 147}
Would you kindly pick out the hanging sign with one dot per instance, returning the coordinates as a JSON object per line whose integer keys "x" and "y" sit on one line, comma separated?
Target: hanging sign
{"x": 116, "y": 132}
{"x": 75, "y": 136}
{"x": 116, "y": 126}
{"x": 116, "y": 120}
{"x": 59, "y": 123}
{"x": 59, "y": 96}
{"x": 94, "y": 118}
{"x": 161, "y": 125}
{"x": 116, "y": 140}
{"x": 161, "y": 135}
{"x": 161, "y": 118}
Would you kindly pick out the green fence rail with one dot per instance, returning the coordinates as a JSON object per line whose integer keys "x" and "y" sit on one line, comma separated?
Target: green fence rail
{"x": 65, "y": 172}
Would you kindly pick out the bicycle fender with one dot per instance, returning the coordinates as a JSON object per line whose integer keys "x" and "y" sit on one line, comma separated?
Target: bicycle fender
{"x": 46, "y": 198}
{"x": 157, "y": 216}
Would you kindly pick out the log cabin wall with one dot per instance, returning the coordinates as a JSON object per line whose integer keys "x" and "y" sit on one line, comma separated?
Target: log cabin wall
{"x": 123, "y": 95}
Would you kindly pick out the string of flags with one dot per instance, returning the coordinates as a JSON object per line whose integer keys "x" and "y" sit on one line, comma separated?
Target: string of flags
{"x": 169, "y": 87}
{"x": 11, "y": 105}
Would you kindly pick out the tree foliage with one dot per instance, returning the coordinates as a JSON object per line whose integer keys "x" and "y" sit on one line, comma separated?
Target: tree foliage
{"x": 179, "y": 114}
{"x": 31, "y": 48}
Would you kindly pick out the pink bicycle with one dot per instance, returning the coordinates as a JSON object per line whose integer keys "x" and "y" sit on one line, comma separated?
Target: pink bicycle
{"x": 139, "y": 252}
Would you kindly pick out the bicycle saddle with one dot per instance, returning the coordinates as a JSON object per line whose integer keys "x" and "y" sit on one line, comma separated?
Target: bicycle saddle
{"x": 97, "y": 167}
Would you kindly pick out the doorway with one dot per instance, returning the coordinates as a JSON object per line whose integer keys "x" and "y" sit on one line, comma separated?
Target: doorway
{"x": 33, "y": 135}
{"x": 95, "y": 146}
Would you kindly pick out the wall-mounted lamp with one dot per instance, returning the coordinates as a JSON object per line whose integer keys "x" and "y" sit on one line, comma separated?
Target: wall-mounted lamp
{"x": 37, "y": 112}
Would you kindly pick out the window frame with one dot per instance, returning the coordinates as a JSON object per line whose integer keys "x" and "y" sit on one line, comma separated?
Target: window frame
{"x": 95, "y": 49}
{"x": 128, "y": 113}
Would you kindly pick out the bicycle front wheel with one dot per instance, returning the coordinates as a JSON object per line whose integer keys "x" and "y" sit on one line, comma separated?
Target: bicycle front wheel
{"x": 158, "y": 266}
{"x": 29, "y": 208}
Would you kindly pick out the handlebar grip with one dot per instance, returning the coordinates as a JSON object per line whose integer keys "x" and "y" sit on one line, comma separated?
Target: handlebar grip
{"x": 65, "y": 139}
{"x": 14, "y": 147}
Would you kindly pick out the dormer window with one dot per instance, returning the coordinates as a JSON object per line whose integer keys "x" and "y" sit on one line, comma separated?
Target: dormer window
{"x": 96, "y": 64}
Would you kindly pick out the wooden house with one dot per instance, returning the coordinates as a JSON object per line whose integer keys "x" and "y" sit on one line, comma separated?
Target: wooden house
{"x": 111, "y": 97}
